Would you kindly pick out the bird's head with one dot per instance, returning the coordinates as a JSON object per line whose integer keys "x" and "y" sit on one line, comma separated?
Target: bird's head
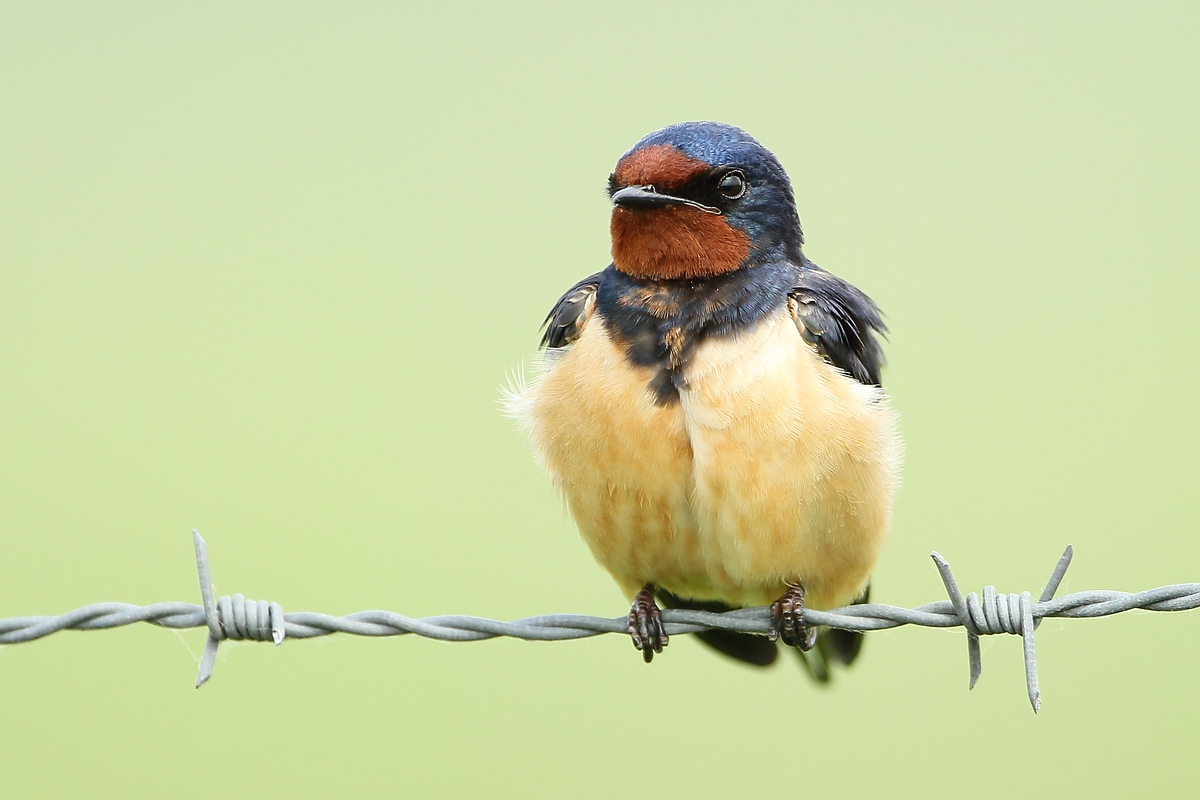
{"x": 700, "y": 199}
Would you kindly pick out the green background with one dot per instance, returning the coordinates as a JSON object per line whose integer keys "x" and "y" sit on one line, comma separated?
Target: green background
{"x": 263, "y": 269}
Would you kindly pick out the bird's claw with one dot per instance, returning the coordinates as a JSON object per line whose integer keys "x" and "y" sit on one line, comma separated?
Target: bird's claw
{"x": 787, "y": 620}
{"x": 646, "y": 625}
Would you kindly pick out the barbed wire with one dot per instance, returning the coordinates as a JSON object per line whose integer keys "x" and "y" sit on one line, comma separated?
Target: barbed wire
{"x": 236, "y": 618}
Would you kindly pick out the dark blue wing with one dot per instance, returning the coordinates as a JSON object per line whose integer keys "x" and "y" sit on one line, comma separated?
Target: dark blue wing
{"x": 841, "y": 322}
{"x": 566, "y": 319}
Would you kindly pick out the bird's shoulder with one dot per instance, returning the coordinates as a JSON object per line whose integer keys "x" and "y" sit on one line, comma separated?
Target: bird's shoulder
{"x": 567, "y": 318}
{"x": 840, "y": 321}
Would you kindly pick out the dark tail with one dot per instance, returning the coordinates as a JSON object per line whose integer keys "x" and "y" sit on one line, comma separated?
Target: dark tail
{"x": 834, "y": 646}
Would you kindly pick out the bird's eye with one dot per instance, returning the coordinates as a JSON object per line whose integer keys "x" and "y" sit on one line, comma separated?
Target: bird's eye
{"x": 733, "y": 185}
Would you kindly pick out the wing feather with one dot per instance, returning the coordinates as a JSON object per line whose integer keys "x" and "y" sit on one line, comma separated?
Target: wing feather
{"x": 565, "y": 321}
{"x": 841, "y": 322}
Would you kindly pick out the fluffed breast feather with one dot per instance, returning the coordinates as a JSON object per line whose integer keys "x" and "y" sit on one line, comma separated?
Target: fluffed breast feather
{"x": 779, "y": 464}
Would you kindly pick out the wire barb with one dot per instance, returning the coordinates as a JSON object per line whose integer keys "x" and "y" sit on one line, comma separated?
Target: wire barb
{"x": 231, "y": 617}
{"x": 1009, "y": 613}
{"x": 238, "y": 618}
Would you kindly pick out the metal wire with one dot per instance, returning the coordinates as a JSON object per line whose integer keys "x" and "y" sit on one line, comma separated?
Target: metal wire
{"x": 237, "y": 618}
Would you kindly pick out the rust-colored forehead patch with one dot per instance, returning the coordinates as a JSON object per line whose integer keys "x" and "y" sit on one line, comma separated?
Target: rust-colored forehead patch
{"x": 659, "y": 165}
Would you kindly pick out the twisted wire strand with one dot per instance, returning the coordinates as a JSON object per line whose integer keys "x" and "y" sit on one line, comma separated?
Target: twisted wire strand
{"x": 237, "y": 618}
{"x": 556, "y": 627}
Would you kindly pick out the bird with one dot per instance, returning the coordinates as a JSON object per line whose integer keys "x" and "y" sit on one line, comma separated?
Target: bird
{"x": 709, "y": 404}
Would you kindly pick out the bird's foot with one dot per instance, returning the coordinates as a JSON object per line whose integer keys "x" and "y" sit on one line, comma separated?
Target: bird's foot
{"x": 787, "y": 620}
{"x": 646, "y": 625}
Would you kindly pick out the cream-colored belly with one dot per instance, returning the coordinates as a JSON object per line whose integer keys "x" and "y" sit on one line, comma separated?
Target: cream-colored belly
{"x": 773, "y": 467}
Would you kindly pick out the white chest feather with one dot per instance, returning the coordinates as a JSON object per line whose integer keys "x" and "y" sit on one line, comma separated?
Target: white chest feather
{"x": 773, "y": 467}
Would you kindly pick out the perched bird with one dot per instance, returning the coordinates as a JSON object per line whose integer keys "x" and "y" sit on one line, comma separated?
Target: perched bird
{"x": 709, "y": 404}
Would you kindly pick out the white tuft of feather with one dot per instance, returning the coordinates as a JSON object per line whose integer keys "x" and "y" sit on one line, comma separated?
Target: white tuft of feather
{"x": 512, "y": 393}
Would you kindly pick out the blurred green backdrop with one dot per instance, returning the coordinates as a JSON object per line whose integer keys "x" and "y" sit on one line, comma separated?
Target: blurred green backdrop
{"x": 264, "y": 267}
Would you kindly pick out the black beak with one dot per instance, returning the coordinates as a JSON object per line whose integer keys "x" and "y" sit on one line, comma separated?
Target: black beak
{"x": 649, "y": 197}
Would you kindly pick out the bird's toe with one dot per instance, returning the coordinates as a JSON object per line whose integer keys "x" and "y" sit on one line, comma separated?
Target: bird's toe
{"x": 787, "y": 620}
{"x": 646, "y": 625}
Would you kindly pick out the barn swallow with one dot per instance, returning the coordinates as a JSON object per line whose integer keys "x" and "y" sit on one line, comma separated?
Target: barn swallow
{"x": 709, "y": 404}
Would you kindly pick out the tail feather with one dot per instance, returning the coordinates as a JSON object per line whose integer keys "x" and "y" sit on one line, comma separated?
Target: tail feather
{"x": 748, "y": 648}
{"x": 843, "y": 646}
